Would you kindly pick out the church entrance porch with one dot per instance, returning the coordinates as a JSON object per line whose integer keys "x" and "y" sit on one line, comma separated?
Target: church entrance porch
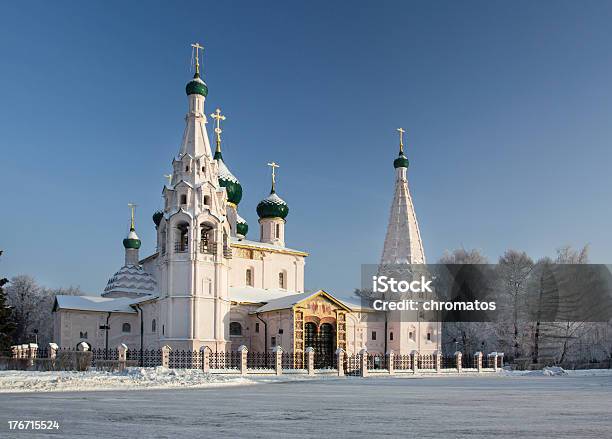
{"x": 322, "y": 338}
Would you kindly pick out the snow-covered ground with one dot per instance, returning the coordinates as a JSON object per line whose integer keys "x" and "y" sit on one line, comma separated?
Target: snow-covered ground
{"x": 131, "y": 379}
{"x": 476, "y": 407}
{"x": 161, "y": 378}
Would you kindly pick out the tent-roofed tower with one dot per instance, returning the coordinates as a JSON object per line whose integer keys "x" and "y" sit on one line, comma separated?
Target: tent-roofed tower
{"x": 403, "y": 243}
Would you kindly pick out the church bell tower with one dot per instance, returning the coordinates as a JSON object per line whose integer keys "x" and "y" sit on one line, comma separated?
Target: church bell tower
{"x": 193, "y": 237}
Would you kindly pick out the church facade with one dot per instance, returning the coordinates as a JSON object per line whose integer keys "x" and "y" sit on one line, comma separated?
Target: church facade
{"x": 208, "y": 285}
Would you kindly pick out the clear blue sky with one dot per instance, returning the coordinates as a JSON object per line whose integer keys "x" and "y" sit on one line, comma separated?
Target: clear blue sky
{"x": 507, "y": 107}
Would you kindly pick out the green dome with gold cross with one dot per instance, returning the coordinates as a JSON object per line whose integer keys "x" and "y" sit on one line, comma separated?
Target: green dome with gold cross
{"x": 401, "y": 161}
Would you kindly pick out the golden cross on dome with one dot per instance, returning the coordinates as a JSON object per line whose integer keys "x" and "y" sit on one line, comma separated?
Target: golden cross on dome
{"x": 273, "y": 165}
{"x": 169, "y": 178}
{"x": 401, "y": 136}
{"x": 218, "y": 118}
{"x": 197, "y": 48}
{"x": 132, "y": 206}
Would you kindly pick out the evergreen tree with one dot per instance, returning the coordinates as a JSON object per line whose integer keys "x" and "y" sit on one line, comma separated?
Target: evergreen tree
{"x": 7, "y": 325}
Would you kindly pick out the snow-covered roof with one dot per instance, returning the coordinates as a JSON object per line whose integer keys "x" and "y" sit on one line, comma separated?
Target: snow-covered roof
{"x": 225, "y": 173}
{"x": 289, "y": 301}
{"x": 99, "y": 303}
{"x": 132, "y": 279}
{"x": 255, "y": 295}
{"x": 236, "y": 242}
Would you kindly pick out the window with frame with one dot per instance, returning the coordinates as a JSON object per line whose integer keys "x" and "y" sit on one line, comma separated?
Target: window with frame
{"x": 153, "y": 325}
{"x": 249, "y": 277}
{"x": 256, "y": 327}
{"x": 373, "y": 335}
{"x": 391, "y": 336}
{"x": 281, "y": 280}
{"x": 273, "y": 341}
{"x": 429, "y": 336}
{"x": 126, "y": 327}
{"x": 235, "y": 329}
{"x": 277, "y": 231}
{"x": 183, "y": 199}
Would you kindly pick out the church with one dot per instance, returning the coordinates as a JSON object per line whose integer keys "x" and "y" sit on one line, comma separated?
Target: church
{"x": 207, "y": 284}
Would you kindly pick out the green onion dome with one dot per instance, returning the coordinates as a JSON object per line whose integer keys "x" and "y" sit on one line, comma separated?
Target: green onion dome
{"x": 242, "y": 228}
{"x": 401, "y": 161}
{"x": 196, "y": 86}
{"x": 132, "y": 240}
{"x": 272, "y": 207}
{"x": 228, "y": 181}
{"x": 157, "y": 217}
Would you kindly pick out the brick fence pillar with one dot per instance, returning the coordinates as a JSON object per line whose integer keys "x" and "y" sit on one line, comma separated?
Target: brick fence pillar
{"x": 244, "y": 351}
{"x": 478, "y": 357}
{"x": 205, "y": 354}
{"x": 363, "y": 366}
{"x": 500, "y": 355}
{"x": 458, "y": 361}
{"x": 310, "y": 360}
{"x": 166, "y": 356}
{"x": 24, "y": 351}
{"x": 278, "y": 360}
{"x": 391, "y": 362}
{"x": 32, "y": 350}
{"x": 122, "y": 355}
{"x": 414, "y": 356}
{"x": 438, "y": 360}
{"x": 340, "y": 361}
{"x": 493, "y": 359}
{"x": 53, "y": 347}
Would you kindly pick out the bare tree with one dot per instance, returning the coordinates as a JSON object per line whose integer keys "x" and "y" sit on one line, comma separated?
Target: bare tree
{"x": 514, "y": 269}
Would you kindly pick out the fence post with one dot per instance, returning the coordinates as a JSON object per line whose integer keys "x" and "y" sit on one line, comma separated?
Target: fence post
{"x": 494, "y": 356}
{"x": 278, "y": 365}
{"x": 53, "y": 347}
{"x": 82, "y": 347}
{"x": 166, "y": 356}
{"x": 32, "y": 348}
{"x": 458, "y": 361}
{"x": 122, "y": 355}
{"x": 15, "y": 351}
{"x": 205, "y": 353}
{"x": 415, "y": 361}
{"x": 310, "y": 360}
{"x": 340, "y": 361}
{"x": 438, "y": 357}
{"x": 501, "y": 359}
{"x": 243, "y": 359}
{"x": 364, "y": 362}
{"x": 391, "y": 362}
{"x": 478, "y": 357}
{"x": 24, "y": 351}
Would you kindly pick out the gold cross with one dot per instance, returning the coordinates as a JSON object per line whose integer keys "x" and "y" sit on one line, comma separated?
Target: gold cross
{"x": 132, "y": 206}
{"x": 273, "y": 165}
{"x": 401, "y": 135}
{"x": 218, "y": 118}
{"x": 169, "y": 178}
{"x": 197, "y": 48}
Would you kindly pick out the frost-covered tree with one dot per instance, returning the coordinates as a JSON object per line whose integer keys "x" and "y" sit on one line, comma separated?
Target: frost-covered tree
{"x": 33, "y": 308}
{"x": 514, "y": 270}
{"x": 7, "y": 324}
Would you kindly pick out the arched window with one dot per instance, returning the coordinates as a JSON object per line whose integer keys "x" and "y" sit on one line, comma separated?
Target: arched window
{"x": 235, "y": 329}
{"x": 126, "y": 327}
{"x": 183, "y": 199}
{"x": 206, "y": 200}
{"x": 182, "y": 243}
{"x": 153, "y": 325}
{"x": 281, "y": 280}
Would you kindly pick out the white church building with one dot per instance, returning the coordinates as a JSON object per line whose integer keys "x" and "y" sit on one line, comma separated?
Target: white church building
{"x": 208, "y": 285}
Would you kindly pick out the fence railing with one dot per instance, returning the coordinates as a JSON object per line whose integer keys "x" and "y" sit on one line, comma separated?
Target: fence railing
{"x": 242, "y": 361}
